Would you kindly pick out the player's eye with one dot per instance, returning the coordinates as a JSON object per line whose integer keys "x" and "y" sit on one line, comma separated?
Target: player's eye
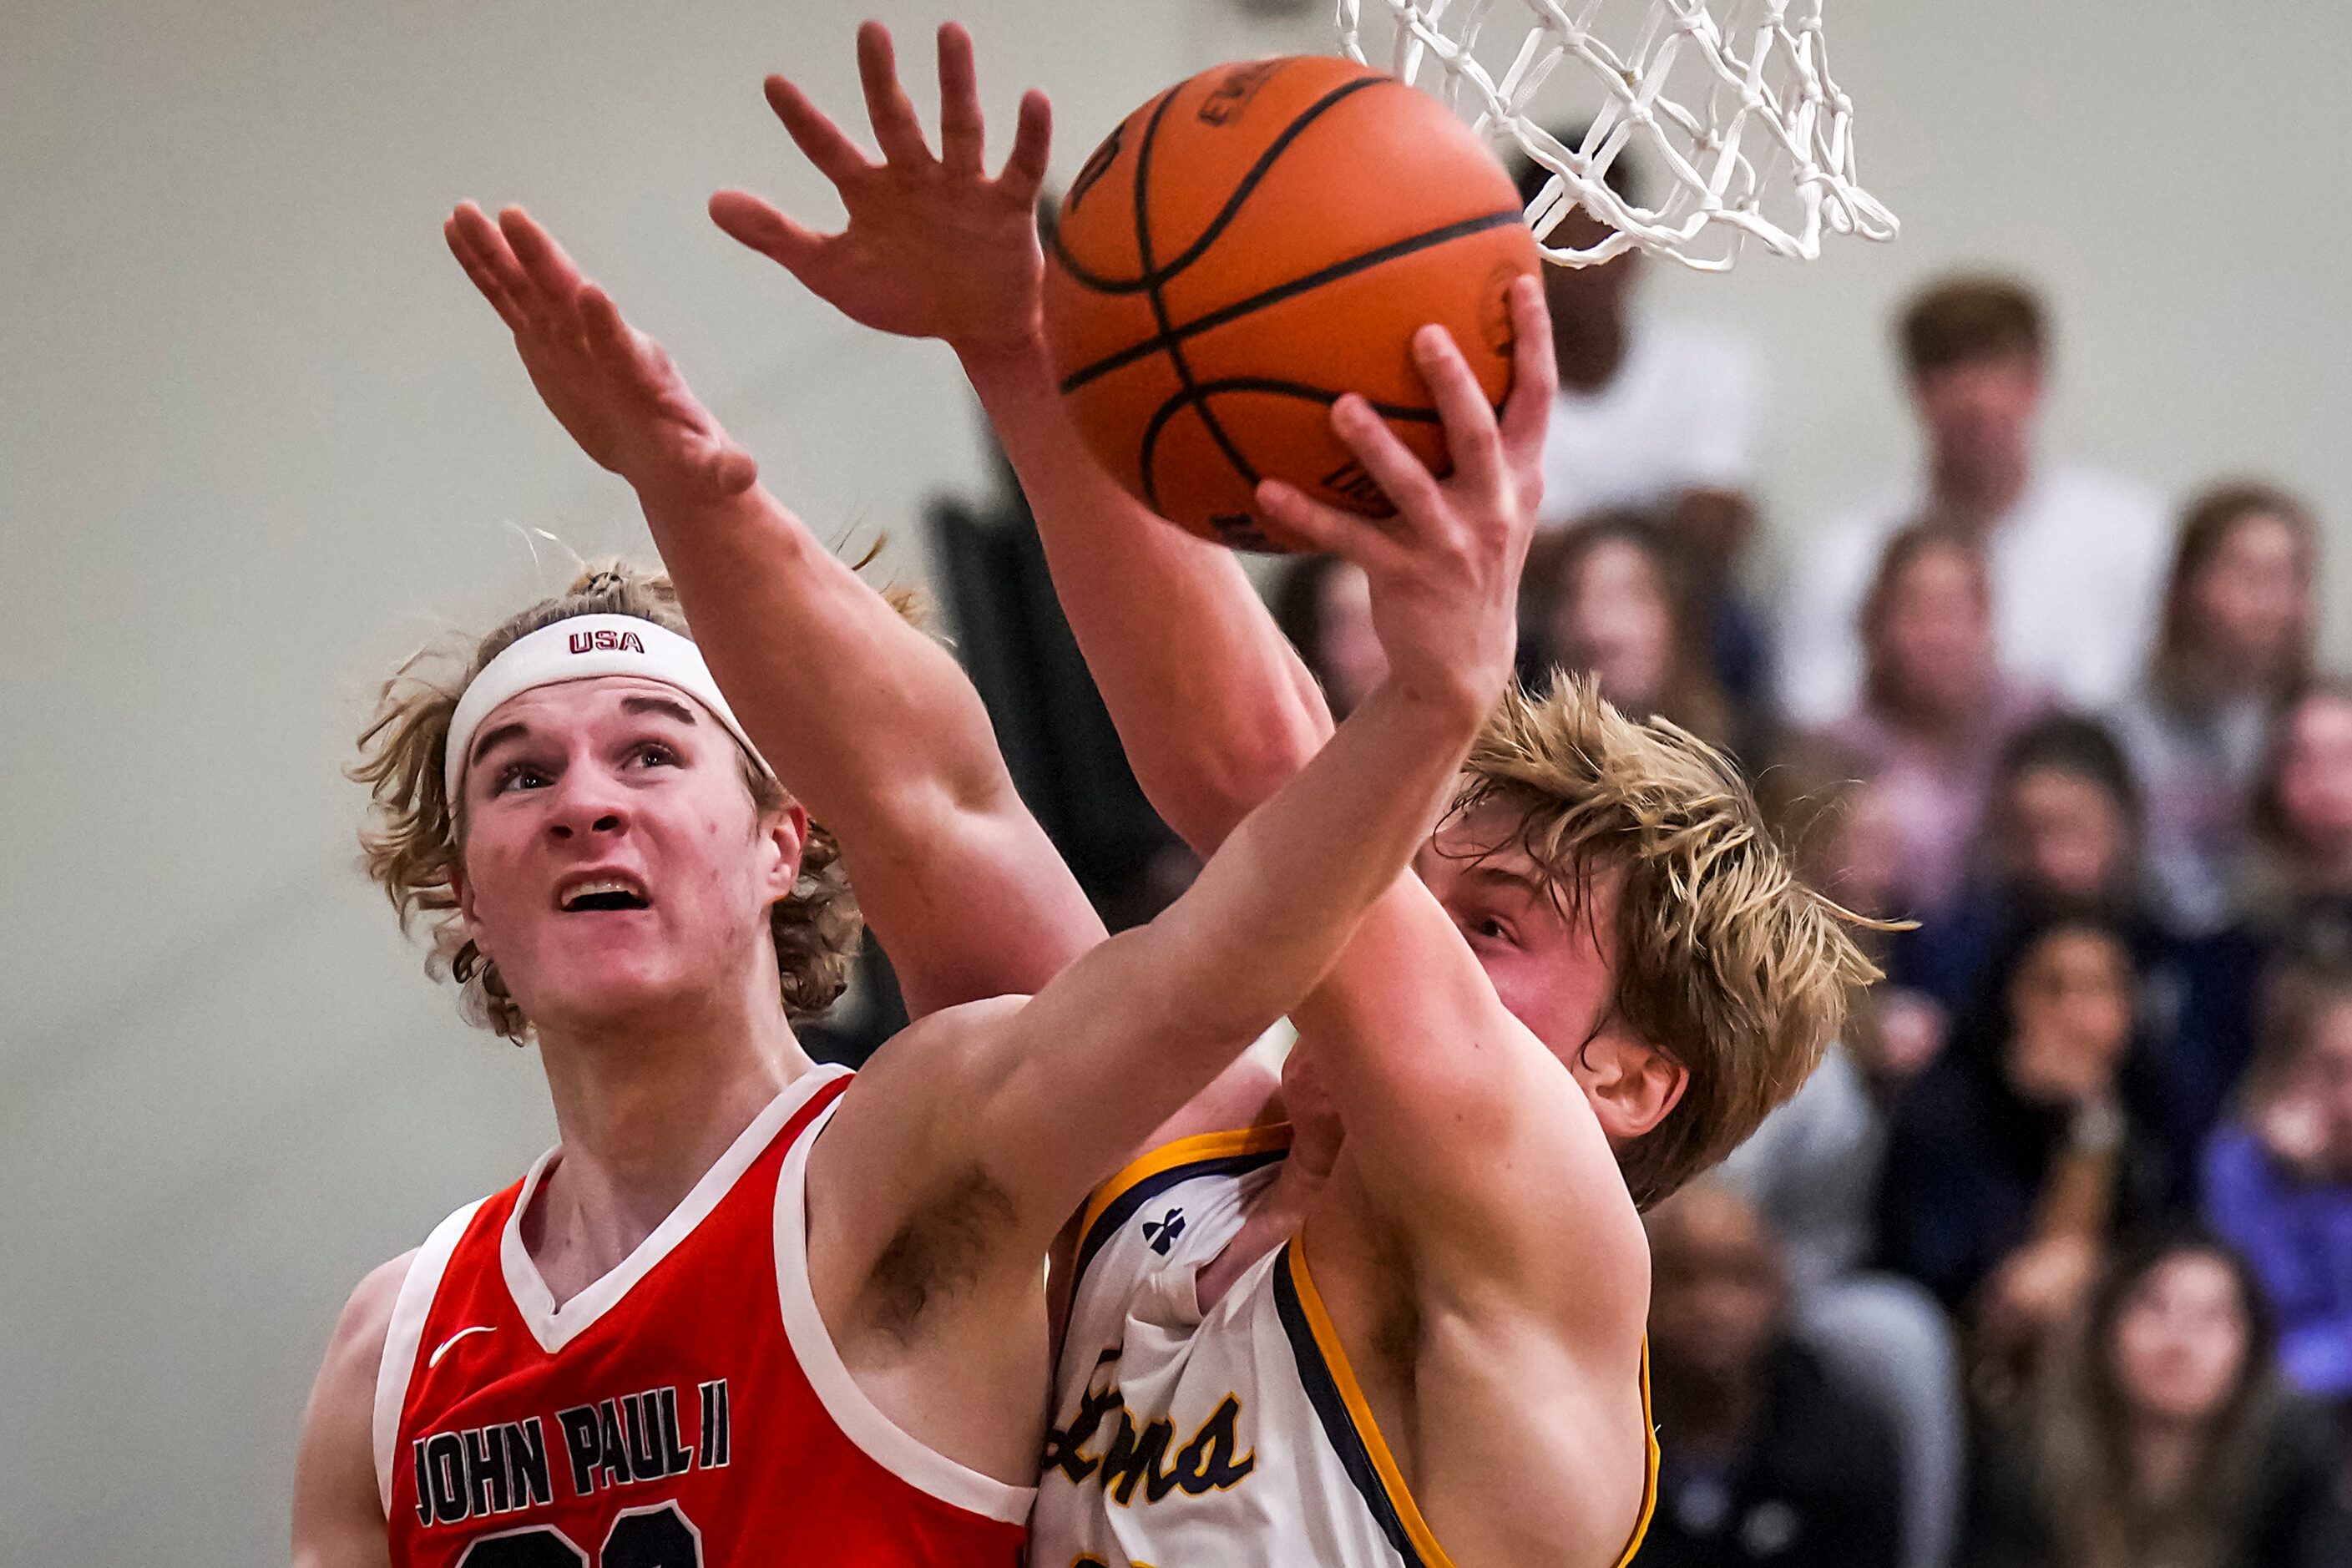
{"x": 656, "y": 754}
{"x": 518, "y": 775}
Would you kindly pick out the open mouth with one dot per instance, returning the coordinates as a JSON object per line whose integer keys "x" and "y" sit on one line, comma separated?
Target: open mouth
{"x": 603, "y": 893}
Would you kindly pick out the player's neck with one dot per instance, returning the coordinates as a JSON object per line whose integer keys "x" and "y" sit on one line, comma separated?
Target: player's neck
{"x": 644, "y": 1112}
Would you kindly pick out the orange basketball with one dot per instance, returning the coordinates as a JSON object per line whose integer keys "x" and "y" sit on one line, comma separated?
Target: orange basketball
{"x": 1250, "y": 245}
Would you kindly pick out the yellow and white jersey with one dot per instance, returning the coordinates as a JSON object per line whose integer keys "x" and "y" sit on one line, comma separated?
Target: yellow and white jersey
{"x": 1234, "y": 1439}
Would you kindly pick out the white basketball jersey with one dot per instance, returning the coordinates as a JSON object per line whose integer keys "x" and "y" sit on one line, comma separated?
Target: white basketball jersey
{"x": 1234, "y": 1439}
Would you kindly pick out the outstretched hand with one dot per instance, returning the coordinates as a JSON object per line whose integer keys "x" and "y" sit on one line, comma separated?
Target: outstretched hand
{"x": 934, "y": 247}
{"x": 1444, "y": 571}
{"x": 613, "y": 388}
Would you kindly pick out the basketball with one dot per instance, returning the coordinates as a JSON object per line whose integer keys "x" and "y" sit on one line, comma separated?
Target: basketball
{"x": 1249, "y": 246}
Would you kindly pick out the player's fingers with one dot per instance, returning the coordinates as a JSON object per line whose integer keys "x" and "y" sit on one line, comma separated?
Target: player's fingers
{"x": 1403, "y": 477}
{"x": 558, "y": 279}
{"x": 1535, "y": 373}
{"x": 961, "y": 134}
{"x": 470, "y": 227}
{"x": 821, "y": 141}
{"x": 752, "y": 222}
{"x": 1470, "y": 430}
{"x": 1325, "y": 528}
{"x": 1032, "y": 146}
{"x": 895, "y": 129}
{"x": 486, "y": 281}
{"x": 609, "y": 336}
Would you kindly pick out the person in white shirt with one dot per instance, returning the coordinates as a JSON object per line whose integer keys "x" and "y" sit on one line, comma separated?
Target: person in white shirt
{"x": 2077, "y": 556}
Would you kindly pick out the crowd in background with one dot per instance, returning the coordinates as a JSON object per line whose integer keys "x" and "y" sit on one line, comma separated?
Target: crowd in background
{"x": 2050, "y": 1265}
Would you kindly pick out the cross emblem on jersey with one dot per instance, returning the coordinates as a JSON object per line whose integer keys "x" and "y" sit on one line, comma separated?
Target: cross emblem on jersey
{"x": 1161, "y": 1233}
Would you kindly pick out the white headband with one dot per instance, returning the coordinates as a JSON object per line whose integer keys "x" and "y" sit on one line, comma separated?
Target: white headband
{"x": 581, "y": 648}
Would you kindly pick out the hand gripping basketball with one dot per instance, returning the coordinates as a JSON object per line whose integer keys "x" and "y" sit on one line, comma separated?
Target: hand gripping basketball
{"x": 1250, "y": 245}
{"x": 1444, "y": 571}
{"x": 934, "y": 247}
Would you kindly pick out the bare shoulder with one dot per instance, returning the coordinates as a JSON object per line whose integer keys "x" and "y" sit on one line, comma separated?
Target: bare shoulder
{"x": 338, "y": 1516}
{"x": 951, "y": 1041}
{"x": 897, "y": 1138}
{"x": 892, "y": 1108}
{"x": 355, "y": 1352}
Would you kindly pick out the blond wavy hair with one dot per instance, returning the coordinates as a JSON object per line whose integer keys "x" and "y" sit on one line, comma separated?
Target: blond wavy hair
{"x": 414, "y": 839}
{"x": 1728, "y": 963}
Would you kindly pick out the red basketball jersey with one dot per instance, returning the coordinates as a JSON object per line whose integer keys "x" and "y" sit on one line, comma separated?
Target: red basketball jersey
{"x": 687, "y": 1409}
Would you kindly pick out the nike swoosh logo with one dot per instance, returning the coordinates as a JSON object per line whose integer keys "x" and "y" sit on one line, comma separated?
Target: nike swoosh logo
{"x": 435, "y": 1359}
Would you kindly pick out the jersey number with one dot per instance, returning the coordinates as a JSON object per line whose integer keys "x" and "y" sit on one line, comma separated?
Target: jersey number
{"x": 657, "y": 1537}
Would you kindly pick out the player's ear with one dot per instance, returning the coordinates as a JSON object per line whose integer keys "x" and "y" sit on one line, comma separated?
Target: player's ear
{"x": 1631, "y": 1086}
{"x": 463, "y": 891}
{"x": 784, "y": 840}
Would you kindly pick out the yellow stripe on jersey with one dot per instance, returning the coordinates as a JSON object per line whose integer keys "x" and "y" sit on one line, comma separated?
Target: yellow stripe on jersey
{"x": 1192, "y": 1151}
{"x": 1649, "y": 1464}
{"x": 1359, "y": 1412}
{"x": 1351, "y": 1395}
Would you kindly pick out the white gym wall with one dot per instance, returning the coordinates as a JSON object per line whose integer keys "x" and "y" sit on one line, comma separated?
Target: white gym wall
{"x": 257, "y": 437}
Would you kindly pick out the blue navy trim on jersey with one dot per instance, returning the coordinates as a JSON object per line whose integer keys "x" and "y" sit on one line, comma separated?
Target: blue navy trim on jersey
{"x": 1123, "y": 1207}
{"x": 1338, "y": 1426}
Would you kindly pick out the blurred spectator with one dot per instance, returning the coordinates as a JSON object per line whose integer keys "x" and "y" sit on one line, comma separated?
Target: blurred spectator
{"x": 1812, "y": 1169}
{"x": 1603, "y": 596}
{"x": 1765, "y": 1458}
{"x": 2303, "y": 811}
{"x": 2278, "y": 1180}
{"x": 1324, "y": 605}
{"x": 2034, "y": 1139}
{"x": 2076, "y": 556}
{"x": 2234, "y": 642}
{"x": 1658, "y": 415}
{"x": 2060, "y": 831}
{"x": 2161, "y": 1439}
{"x": 1935, "y": 706}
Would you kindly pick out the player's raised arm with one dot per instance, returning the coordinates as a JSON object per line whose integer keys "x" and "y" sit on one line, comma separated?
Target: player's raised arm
{"x": 865, "y": 719}
{"x": 1216, "y": 712}
{"x": 1059, "y": 1091}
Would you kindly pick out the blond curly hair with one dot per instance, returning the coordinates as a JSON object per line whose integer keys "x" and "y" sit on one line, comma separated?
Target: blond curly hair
{"x": 414, "y": 839}
{"x": 1728, "y": 963}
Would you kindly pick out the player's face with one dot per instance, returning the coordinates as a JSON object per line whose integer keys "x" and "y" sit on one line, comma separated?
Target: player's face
{"x": 616, "y": 868}
{"x": 1553, "y": 963}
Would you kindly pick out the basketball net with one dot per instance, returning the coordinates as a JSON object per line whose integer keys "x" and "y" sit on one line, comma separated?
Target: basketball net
{"x": 1737, "y": 115}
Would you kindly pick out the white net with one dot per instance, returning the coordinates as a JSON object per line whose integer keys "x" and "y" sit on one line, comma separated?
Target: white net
{"x": 1730, "y": 112}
